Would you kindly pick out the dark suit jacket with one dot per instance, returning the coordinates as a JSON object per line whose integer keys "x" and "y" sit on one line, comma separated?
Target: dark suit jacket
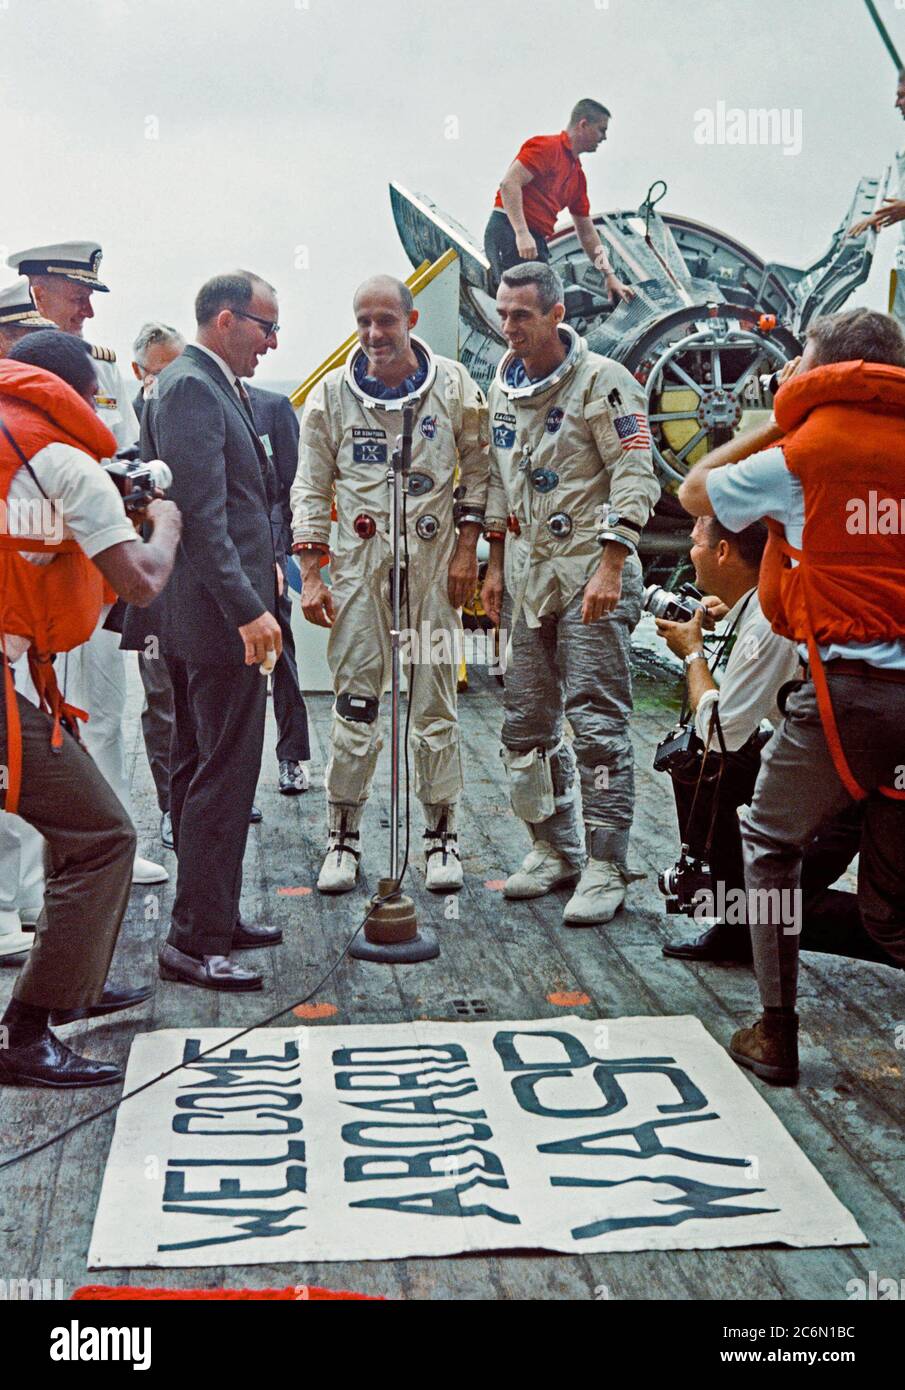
{"x": 224, "y": 486}
{"x": 278, "y": 425}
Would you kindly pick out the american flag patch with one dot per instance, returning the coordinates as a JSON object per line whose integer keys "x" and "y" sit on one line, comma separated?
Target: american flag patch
{"x": 633, "y": 431}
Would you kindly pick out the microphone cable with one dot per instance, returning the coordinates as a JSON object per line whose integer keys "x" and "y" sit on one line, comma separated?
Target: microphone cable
{"x": 270, "y": 1018}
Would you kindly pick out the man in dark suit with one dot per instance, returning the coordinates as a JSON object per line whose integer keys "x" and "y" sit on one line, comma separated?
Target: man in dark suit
{"x": 157, "y": 345}
{"x": 278, "y": 429}
{"x": 216, "y": 621}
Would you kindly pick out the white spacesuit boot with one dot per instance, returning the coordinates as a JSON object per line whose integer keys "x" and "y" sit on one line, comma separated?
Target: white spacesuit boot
{"x": 442, "y": 864}
{"x": 598, "y": 897}
{"x": 340, "y": 867}
{"x": 542, "y": 870}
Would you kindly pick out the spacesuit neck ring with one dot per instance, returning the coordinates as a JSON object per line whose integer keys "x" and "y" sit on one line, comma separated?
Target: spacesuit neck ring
{"x": 396, "y": 406}
{"x": 539, "y": 388}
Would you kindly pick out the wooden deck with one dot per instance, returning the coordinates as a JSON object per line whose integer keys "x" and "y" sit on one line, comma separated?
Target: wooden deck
{"x": 847, "y": 1115}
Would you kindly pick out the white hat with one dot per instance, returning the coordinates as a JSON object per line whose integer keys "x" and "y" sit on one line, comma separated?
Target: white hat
{"x": 17, "y": 308}
{"x": 73, "y": 260}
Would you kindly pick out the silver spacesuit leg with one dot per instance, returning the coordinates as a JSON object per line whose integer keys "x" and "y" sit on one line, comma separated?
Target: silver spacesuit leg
{"x": 436, "y": 756}
{"x": 594, "y": 660}
{"x": 533, "y": 747}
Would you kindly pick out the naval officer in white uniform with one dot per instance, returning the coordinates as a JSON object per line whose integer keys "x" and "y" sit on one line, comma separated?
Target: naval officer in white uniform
{"x": 63, "y": 277}
{"x": 21, "y": 847}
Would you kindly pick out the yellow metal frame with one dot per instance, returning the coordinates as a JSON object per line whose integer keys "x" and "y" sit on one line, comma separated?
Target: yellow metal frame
{"x": 417, "y": 281}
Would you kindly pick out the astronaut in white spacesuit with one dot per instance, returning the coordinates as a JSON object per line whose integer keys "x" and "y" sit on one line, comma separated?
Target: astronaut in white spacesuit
{"x": 349, "y": 428}
{"x": 573, "y": 484}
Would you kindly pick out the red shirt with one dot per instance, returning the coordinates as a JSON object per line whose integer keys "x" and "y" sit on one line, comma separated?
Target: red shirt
{"x": 558, "y": 182}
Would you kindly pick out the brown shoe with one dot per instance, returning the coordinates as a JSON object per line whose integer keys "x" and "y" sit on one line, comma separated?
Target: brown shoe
{"x": 249, "y": 938}
{"x": 770, "y": 1048}
{"x": 213, "y": 972}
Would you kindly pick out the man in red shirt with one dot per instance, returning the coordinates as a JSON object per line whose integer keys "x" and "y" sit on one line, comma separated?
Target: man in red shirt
{"x": 545, "y": 177}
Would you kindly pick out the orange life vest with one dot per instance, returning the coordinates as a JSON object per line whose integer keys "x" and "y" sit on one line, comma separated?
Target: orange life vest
{"x": 56, "y": 605}
{"x": 845, "y": 442}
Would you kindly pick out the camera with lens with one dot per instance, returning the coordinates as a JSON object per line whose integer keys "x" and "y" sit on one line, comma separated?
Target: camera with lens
{"x": 769, "y": 383}
{"x": 684, "y": 883}
{"x": 675, "y": 608}
{"x": 680, "y": 752}
{"x": 138, "y": 482}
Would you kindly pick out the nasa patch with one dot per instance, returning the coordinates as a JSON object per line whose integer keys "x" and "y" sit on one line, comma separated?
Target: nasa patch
{"x": 429, "y": 427}
{"x": 554, "y": 420}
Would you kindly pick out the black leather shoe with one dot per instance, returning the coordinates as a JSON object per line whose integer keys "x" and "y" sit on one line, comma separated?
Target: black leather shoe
{"x": 213, "y": 972}
{"x": 293, "y": 778}
{"x": 249, "y": 938}
{"x": 257, "y": 815}
{"x": 716, "y": 943}
{"x": 49, "y": 1062}
{"x": 166, "y": 831}
{"x": 110, "y": 1002}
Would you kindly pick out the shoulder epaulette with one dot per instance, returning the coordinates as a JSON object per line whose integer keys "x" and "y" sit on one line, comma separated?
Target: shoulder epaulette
{"x": 102, "y": 354}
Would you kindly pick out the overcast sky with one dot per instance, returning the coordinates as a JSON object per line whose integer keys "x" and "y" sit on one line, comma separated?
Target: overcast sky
{"x": 192, "y": 136}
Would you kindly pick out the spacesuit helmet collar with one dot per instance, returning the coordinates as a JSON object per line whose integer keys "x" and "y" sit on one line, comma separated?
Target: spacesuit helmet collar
{"x": 526, "y": 390}
{"x": 356, "y": 370}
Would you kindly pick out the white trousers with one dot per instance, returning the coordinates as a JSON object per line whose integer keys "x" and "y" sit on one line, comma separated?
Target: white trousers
{"x": 93, "y": 677}
{"x": 21, "y": 852}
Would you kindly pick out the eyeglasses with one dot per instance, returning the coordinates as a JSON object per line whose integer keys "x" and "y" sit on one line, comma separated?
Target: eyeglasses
{"x": 268, "y": 326}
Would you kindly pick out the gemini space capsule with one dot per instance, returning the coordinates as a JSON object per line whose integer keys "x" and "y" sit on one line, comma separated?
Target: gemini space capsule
{"x": 708, "y": 320}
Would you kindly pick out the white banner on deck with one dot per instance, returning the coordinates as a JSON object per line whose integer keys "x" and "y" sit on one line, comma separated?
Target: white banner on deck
{"x": 379, "y": 1142}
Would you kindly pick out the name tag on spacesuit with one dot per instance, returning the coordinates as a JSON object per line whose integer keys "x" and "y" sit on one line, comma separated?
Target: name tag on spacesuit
{"x": 369, "y": 446}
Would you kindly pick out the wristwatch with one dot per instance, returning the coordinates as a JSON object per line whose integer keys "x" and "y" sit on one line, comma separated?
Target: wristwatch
{"x": 695, "y": 656}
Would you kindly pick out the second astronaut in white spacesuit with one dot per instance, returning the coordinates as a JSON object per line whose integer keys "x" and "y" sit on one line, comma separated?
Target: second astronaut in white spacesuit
{"x": 349, "y": 428}
{"x": 573, "y": 483}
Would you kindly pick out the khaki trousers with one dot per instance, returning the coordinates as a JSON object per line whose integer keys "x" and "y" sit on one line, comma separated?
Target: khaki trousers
{"x": 91, "y": 846}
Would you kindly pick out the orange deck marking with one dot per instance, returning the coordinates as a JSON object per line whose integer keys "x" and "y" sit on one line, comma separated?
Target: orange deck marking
{"x": 494, "y": 884}
{"x": 315, "y": 1010}
{"x": 568, "y": 999}
{"x": 294, "y": 892}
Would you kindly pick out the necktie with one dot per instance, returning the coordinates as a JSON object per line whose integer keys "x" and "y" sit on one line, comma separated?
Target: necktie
{"x": 263, "y": 460}
{"x": 245, "y": 399}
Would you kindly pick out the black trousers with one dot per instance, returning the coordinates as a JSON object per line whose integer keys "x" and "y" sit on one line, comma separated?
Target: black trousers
{"x": 500, "y": 247}
{"x": 215, "y": 760}
{"x": 288, "y": 701}
{"x": 715, "y": 804}
{"x": 831, "y": 918}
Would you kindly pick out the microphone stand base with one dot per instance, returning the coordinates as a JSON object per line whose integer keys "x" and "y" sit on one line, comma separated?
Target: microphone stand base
{"x": 391, "y": 934}
{"x": 423, "y": 946}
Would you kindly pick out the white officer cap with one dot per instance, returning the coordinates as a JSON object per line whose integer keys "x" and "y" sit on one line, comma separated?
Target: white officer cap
{"x": 17, "y": 308}
{"x": 73, "y": 260}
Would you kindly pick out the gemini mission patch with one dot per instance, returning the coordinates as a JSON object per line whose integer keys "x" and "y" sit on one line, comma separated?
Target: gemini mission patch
{"x": 369, "y": 446}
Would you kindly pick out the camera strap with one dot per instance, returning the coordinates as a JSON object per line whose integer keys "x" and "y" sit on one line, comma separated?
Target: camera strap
{"x": 24, "y": 461}
{"x": 722, "y": 650}
{"x": 715, "y": 728}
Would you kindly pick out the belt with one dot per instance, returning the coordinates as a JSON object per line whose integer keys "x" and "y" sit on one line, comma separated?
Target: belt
{"x": 839, "y": 666}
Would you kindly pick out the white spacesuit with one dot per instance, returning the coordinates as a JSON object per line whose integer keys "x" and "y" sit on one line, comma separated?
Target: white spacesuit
{"x": 347, "y": 439}
{"x": 571, "y": 470}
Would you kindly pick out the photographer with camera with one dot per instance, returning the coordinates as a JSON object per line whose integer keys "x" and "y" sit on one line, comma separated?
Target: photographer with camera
{"x": 833, "y": 579}
{"x": 65, "y": 532}
{"x": 714, "y": 757}
{"x": 64, "y": 279}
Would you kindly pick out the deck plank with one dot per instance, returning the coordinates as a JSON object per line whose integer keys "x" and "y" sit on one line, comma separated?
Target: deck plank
{"x": 846, "y": 1116}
